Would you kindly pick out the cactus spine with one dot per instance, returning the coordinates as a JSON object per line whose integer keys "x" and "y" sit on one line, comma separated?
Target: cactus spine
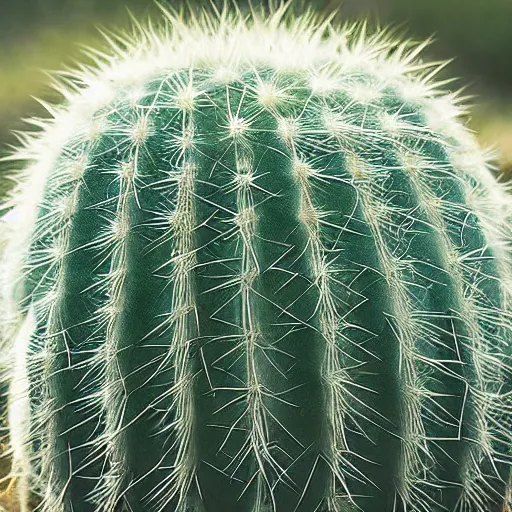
{"x": 258, "y": 265}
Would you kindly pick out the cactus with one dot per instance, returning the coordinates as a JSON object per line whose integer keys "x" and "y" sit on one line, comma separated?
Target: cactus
{"x": 257, "y": 263}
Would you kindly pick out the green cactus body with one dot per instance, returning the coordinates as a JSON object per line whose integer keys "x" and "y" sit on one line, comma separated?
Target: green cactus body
{"x": 269, "y": 272}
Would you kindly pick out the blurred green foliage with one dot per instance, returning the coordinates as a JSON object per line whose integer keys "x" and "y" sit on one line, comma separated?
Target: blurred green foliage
{"x": 477, "y": 32}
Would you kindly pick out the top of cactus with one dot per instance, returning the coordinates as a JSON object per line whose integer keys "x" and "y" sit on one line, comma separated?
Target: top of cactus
{"x": 228, "y": 41}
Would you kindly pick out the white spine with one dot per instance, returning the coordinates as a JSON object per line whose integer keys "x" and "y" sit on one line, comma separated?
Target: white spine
{"x": 415, "y": 451}
{"x": 183, "y": 317}
{"x": 336, "y": 379}
{"x": 245, "y": 225}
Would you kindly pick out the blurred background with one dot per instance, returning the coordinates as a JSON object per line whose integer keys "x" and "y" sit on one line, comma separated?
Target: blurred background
{"x": 37, "y": 36}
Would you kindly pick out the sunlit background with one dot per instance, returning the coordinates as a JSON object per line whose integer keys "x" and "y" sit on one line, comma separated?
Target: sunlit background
{"x": 37, "y": 36}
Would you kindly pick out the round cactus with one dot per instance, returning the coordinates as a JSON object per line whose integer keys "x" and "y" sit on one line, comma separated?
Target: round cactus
{"x": 257, "y": 264}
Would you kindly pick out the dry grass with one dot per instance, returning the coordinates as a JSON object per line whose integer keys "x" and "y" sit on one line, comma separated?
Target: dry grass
{"x": 8, "y": 502}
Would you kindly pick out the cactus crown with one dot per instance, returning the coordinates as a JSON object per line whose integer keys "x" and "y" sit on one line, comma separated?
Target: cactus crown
{"x": 257, "y": 263}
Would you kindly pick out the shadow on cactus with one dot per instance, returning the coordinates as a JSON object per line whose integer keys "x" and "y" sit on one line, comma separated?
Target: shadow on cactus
{"x": 257, "y": 263}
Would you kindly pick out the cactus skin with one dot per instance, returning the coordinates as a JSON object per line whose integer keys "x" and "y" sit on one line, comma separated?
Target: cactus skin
{"x": 268, "y": 271}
